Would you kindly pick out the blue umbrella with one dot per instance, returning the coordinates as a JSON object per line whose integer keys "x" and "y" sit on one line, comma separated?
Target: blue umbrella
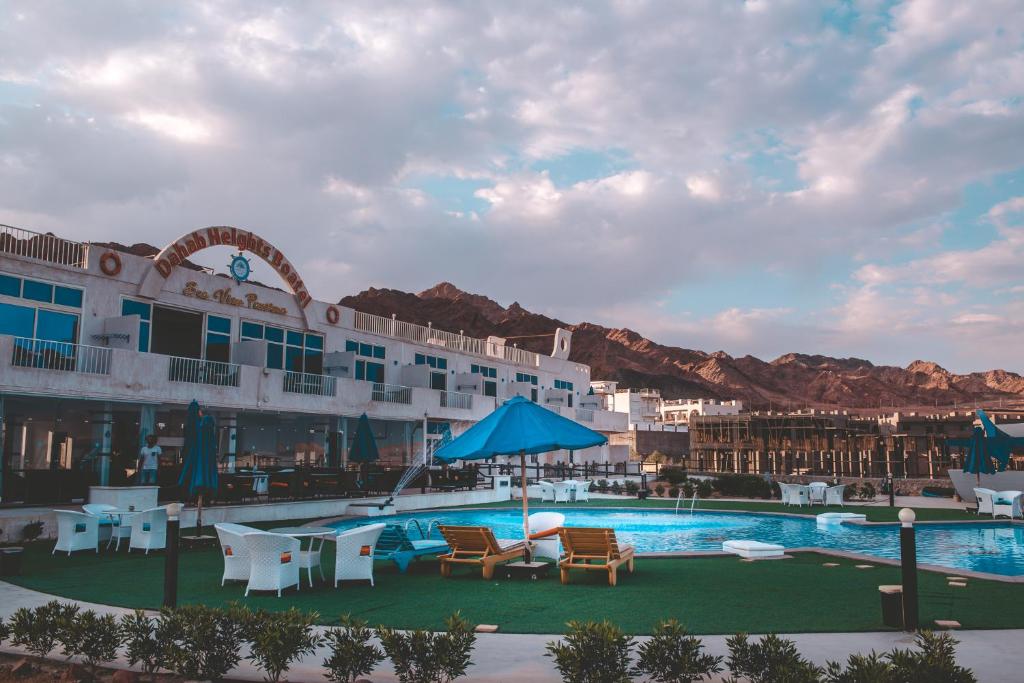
{"x": 364, "y": 445}
{"x": 987, "y": 443}
{"x": 199, "y": 457}
{"x": 520, "y": 426}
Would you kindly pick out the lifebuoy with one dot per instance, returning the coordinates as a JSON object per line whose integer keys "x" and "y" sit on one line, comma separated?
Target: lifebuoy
{"x": 333, "y": 315}
{"x": 110, "y": 263}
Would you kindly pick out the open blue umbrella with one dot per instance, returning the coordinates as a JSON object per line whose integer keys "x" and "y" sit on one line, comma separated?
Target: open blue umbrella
{"x": 199, "y": 458}
{"x": 523, "y": 427}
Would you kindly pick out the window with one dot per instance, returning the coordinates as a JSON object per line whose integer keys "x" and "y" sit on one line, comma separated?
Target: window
{"x": 145, "y": 313}
{"x": 490, "y": 388}
{"x": 288, "y": 349}
{"x": 432, "y": 361}
{"x": 56, "y": 326}
{"x": 218, "y": 338}
{"x": 369, "y": 371}
{"x": 37, "y": 291}
{"x": 524, "y": 377}
{"x": 66, "y": 296}
{"x": 18, "y": 321}
{"x": 10, "y": 286}
{"x": 43, "y": 292}
{"x": 562, "y": 384}
{"x": 484, "y": 370}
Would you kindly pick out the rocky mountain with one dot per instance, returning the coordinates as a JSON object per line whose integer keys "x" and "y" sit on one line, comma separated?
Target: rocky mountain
{"x": 623, "y": 355}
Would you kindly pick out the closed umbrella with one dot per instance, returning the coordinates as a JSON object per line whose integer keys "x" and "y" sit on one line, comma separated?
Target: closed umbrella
{"x": 523, "y": 427}
{"x": 364, "y": 448}
{"x": 985, "y": 444}
{"x": 199, "y": 460}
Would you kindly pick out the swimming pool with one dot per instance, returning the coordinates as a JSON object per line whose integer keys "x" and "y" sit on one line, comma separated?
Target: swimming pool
{"x": 993, "y": 548}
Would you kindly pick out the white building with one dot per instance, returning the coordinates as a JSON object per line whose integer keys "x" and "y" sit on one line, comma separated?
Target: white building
{"x": 680, "y": 411}
{"x": 100, "y": 347}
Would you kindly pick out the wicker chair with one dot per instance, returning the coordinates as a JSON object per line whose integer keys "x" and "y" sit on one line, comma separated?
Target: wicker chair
{"x": 234, "y": 550}
{"x": 76, "y": 531}
{"x": 354, "y": 557}
{"x": 273, "y": 562}
{"x": 149, "y": 530}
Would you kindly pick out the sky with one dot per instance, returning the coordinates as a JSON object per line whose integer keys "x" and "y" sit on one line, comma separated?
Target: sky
{"x": 762, "y": 177}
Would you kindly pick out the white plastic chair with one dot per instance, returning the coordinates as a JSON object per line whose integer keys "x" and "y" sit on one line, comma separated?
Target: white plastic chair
{"x": 311, "y": 558}
{"x": 565, "y": 491}
{"x": 583, "y": 491}
{"x": 99, "y": 510}
{"x": 76, "y": 531}
{"x": 795, "y": 494}
{"x": 834, "y": 495}
{"x": 984, "y": 497}
{"x": 353, "y": 559}
{"x": 547, "y": 491}
{"x": 1006, "y": 504}
{"x": 234, "y": 550}
{"x": 550, "y": 546}
{"x": 816, "y": 491}
{"x": 149, "y": 530}
{"x": 273, "y": 562}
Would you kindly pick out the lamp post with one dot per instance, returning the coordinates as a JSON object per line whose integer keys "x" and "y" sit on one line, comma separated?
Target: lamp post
{"x": 908, "y": 568}
{"x": 171, "y": 556}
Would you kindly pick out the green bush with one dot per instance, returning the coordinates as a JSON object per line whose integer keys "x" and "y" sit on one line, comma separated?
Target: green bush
{"x": 673, "y": 492}
{"x": 94, "y": 637}
{"x": 276, "y": 639}
{"x": 632, "y": 488}
{"x": 769, "y": 660}
{"x": 424, "y": 657}
{"x": 935, "y": 660}
{"x": 659, "y": 490}
{"x": 31, "y": 531}
{"x": 592, "y": 652}
{"x": 673, "y": 475}
{"x": 146, "y": 641}
{"x": 205, "y": 641}
{"x": 704, "y": 488}
{"x": 5, "y": 630}
{"x": 742, "y": 486}
{"x": 671, "y": 655}
{"x": 37, "y": 630}
{"x": 602, "y": 485}
{"x": 688, "y": 489}
{"x": 352, "y": 653}
{"x": 867, "y": 491}
{"x": 616, "y": 487}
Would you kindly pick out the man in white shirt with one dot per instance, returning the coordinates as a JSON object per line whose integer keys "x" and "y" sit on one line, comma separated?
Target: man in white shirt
{"x": 149, "y": 461}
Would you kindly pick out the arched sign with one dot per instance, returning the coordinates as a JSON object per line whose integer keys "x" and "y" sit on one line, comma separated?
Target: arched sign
{"x": 172, "y": 256}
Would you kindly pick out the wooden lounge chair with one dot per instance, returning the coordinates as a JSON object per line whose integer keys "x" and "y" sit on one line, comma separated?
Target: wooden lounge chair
{"x": 582, "y": 546}
{"x": 394, "y": 544}
{"x": 476, "y": 545}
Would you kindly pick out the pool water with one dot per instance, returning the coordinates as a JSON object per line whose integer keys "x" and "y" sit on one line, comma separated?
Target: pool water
{"x": 993, "y": 548}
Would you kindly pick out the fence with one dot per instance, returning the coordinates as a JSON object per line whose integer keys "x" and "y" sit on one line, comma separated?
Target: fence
{"x": 50, "y": 248}
{"x": 455, "y": 399}
{"x": 53, "y": 355}
{"x": 390, "y": 327}
{"x": 307, "y": 383}
{"x": 199, "y": 371}
{"x": 391, "y": 393}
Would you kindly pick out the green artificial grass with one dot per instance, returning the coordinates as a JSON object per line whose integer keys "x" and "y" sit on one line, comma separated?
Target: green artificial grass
{"x": 709, "y": 595}
{"x": 874, "y": 513}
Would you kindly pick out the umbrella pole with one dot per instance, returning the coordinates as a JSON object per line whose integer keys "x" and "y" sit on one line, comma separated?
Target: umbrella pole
{"x": 199, "y": 517}
{"x": 527, "y": 557}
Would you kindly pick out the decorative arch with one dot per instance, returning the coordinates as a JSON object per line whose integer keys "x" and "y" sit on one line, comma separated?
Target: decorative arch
{"x": 175, "y": 253}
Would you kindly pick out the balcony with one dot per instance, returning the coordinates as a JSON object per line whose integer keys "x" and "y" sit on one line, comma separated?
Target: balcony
{"x": 455, "y": 399}
{"x": 310, "y": 384}
{"x": 584, "y": 415}
{"x": 61, "y": 356}
{"x": 391, "y": 393}
{"x": 49, "y": 248}
{"x": 197, "y": 371}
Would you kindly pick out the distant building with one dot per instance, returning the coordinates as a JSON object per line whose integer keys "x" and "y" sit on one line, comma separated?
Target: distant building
{"x": 679, "y": 411}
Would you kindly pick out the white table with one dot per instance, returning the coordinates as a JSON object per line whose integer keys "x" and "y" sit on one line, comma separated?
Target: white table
{"x": 117, "y": 522}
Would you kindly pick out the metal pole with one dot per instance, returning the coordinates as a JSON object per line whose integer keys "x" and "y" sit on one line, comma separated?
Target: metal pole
{"x": 171, "y": 556}
{"x": 892, "y": 492}
{"x": 908, "y": 569}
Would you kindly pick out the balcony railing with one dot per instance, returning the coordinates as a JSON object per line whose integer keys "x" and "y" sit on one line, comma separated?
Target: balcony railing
{"x": 307, "y": 383}
{"x": 455, "y": 399}
{"x": 50, "y": 248}
{"x": 52, "y": 355}
{"x": 584, "y": 415}
{"x": 390, "y": 327}
{"x": 197, "y": 371}
{"x": 391, "y": 393}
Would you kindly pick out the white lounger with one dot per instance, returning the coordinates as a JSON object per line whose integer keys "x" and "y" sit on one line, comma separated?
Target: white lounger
{"x": 753, "y": 549}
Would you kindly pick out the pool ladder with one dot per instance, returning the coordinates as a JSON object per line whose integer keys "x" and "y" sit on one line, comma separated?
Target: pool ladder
{"x": 419, "y": 527}
{"x": 679, "y": 499}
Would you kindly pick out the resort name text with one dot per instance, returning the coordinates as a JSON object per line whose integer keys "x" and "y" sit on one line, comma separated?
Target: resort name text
{"x": 176, "y": 253}
{"x": 224, "y": 296}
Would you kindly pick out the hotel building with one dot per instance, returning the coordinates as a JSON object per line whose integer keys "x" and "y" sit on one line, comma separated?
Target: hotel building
{"x": 100, "y": 347}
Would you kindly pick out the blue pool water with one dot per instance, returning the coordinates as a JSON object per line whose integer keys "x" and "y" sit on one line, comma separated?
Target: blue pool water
{"x": 994, "y": 548}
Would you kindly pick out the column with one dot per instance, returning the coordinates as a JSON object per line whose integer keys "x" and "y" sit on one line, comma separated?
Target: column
{"x": 229, "y": 423}
{"x": 407, "y": 428}
{"x": 3, "y": 447}
{"x": 102, "y": 421}
{"x": 343, "y": 444}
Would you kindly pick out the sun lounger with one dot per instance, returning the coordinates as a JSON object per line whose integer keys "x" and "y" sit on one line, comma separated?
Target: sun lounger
{"x": 395, "y": 544}
{"x": 584, "y": 546}
{"x": 477, "y": 546}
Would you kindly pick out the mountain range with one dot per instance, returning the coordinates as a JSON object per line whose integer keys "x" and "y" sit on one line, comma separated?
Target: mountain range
{"x": 622, "y": 355}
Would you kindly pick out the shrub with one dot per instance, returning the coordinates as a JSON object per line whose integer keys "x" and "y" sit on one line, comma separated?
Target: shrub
{"x": 673, "y": 475}
{"x": 616, "y": 487}
{"x": 592, "y": 652}
{"x": 145, "y": 640}
{"x": 31, "y": 531}
{"x": 5, "y": 630}
{"x": 64, "y": 615}
{"x": 867, "y": 491}
{"x": 769, "y": 660}
{"x": 37, "y": 630}
{"x": 688, "y": 489}
{"x": 632, "y": 488}
{"x": 742, "y": 485}
{"x": 602, "y": 485}
{"x": 704, "y": 488}
{"x": 673, "y": 492}
{"x": 276, "y": 639}
{"x": 934, "y": 661}
{"x": 671, "y": 655}
{"x": 352, "y": 653}
{"x": 659, "y": 490}
{"x": 424, "y": 657}
{"x": 96, "y": 638}
{"x": 206, "y": 641}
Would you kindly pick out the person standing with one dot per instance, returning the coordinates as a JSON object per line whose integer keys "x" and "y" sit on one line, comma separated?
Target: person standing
{"x": 149, "y": 461}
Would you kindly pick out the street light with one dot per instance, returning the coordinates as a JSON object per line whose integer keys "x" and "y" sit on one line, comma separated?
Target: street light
{"x": 171, "y": 556}
{"x": 908, "y": 568}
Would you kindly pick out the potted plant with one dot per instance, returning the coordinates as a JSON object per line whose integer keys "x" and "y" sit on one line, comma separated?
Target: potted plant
{"x": 10, "y": 555}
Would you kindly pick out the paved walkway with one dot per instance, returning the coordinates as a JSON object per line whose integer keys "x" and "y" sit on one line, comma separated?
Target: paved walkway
{"x": 502, "y": 658}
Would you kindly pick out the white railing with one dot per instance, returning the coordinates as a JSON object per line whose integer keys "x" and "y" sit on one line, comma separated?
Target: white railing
{"x": 584, "y": 415}
{"x": 307, "y": 383}
{"x": 390, "y": 327}
{"x": 455, "y": 399}
{"x": 52, "y": 355}
{"x": 198, "y": 371}
{"x": 391, "y": 393}
{"x": 50, "y": 248}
